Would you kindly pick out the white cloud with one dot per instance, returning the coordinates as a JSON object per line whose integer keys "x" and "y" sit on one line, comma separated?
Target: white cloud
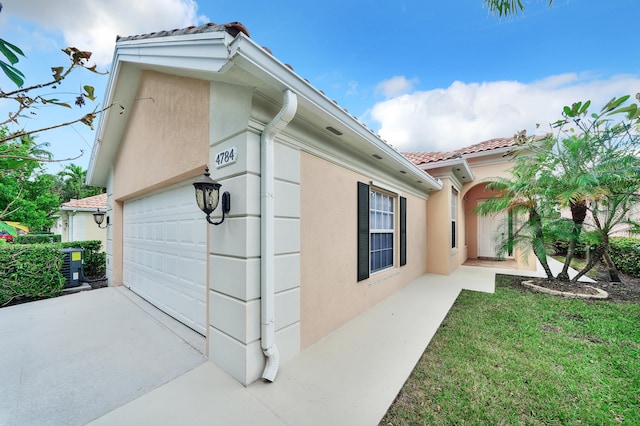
{"x": 468, "y": 113}
{"x": 396, "y": 86}
{"x": 94, "y": 24}
{"x": 352, "y": 88}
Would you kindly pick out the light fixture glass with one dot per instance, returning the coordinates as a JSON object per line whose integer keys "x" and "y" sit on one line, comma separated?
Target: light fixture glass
{"x": 208, "y": 196}
{"x": 98, "y": 218}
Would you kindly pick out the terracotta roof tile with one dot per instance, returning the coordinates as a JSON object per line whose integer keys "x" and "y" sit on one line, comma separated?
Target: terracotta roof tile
{"x": 95, "y": 202}
{"x": 489, "y": 145}
{"x": 431, "y": 157}
{"x": 428, "y": 157}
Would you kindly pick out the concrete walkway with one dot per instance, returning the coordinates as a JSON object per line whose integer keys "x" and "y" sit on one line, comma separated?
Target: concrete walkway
{"x": 350, "y": 377}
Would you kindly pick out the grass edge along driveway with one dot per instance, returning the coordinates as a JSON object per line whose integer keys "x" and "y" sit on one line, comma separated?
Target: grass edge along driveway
{"x": 516, "y": 357}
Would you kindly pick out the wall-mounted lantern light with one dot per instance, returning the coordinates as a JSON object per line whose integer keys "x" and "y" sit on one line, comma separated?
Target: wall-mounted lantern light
{"x": 98, "y": 218}
{"x": 208, "y": 196}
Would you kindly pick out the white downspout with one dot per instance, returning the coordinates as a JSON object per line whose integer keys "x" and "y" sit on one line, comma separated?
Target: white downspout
{"x": 267, "y": 224}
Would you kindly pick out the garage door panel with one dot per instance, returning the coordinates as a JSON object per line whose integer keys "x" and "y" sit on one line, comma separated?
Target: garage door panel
{"x": 165, "y": 253}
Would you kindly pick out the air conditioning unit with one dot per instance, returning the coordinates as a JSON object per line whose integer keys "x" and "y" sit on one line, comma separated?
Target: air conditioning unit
{"x": 72, "y": 266}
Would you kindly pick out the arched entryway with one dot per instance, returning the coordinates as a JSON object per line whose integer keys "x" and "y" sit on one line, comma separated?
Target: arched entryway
{"x": 483, "y": 233}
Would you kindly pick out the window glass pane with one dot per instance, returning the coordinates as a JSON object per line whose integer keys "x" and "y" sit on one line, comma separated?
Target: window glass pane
{"x": 381, "y": 251}
{"x": 375, "y": 261}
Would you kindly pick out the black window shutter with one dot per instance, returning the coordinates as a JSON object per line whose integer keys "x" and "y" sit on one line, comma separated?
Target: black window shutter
{"x": 363, "y": 231}
{"x": 403, "y": 231}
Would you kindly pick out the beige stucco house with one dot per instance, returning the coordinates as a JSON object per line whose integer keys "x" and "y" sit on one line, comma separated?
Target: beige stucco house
{"x": 456, "y": 232}
{"x": 75, "y": 220}
{"x": 326, "y": 219}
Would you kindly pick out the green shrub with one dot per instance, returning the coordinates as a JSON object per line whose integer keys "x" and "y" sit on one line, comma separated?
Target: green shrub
{"x": 625, "y": 253}
{"x": 560, "y": 248}
{"x": 28, "y": 271}
{"x": 38, "y": 238}
{"x": 560, "y": 233}
{"x": 94, "y": 261}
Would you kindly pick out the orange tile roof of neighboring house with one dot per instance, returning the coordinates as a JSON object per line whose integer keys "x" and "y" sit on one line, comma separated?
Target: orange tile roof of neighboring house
{"x": 93, "y": 203}
{"x": 431, "y": 157}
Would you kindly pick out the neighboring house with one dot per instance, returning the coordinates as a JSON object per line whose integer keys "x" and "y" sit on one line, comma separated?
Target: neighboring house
{"x": 625, "y": 229}
{"x": 326, "y": 219}
{"x": 75, "y": 220}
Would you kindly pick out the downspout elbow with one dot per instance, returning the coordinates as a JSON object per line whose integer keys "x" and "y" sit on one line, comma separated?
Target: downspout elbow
{"x": 267, "y": 222}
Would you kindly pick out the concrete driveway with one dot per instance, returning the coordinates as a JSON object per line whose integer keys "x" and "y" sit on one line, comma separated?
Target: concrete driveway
{"x": 70, "y": 360}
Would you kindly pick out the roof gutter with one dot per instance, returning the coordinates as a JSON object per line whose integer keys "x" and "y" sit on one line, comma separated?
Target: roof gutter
{"x": 244, "y": 52}
{"x": 267, "y": 227}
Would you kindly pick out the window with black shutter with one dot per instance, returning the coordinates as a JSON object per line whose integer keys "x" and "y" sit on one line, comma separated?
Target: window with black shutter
{"x": 377, "y": 233}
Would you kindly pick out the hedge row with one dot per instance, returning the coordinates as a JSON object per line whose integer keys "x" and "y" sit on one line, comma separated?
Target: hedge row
{"x": 625, "y": 253}
{"x": 33, "y": 270}
{"x": 37, "y": 238}
{"x": 30, "y": 271}
{"x": 560, "y": 248}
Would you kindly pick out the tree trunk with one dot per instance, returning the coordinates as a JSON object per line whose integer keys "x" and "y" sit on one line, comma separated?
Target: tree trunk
{"x": 564, "y": 274}
{"x": 578, "y": 215}
{"x": 593, "y": 258}
{"x": 535, "y": 221}
{"x": 614, "y": 277}
{"x": 545, "y": 266}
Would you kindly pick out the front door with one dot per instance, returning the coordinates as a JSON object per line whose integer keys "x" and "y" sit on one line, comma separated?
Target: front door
{"x": 492, "y": 229}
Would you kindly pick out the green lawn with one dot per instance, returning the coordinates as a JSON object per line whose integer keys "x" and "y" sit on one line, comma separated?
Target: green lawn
{"x": 516, "y": 357}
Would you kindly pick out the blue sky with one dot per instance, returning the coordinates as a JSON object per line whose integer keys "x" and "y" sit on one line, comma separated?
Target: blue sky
{"x": 426, "y": 75}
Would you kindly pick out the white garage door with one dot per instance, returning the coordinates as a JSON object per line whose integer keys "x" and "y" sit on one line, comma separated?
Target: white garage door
{"x": 164, "y": 241}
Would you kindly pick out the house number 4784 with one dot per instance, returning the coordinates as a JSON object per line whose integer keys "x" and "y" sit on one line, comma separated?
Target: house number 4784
{"x": 226, "y": 157}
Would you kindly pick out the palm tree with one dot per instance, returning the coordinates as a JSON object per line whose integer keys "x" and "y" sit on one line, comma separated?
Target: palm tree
{"x": 523, "y": 196}
{"x": 507, "y": 7}
{"x": 73, "y": 177}
{"x": 598, "y": 172}
{"x": 576, "y": 185}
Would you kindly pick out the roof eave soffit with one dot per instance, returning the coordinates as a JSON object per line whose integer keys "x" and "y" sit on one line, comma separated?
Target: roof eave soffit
{"x": 458, "y": 167}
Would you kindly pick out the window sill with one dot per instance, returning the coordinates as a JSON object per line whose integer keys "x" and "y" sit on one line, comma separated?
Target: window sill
{"x": 383, "y": 275}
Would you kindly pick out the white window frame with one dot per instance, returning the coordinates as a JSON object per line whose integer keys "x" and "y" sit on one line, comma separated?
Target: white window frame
{"x": 382, "y": 222}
